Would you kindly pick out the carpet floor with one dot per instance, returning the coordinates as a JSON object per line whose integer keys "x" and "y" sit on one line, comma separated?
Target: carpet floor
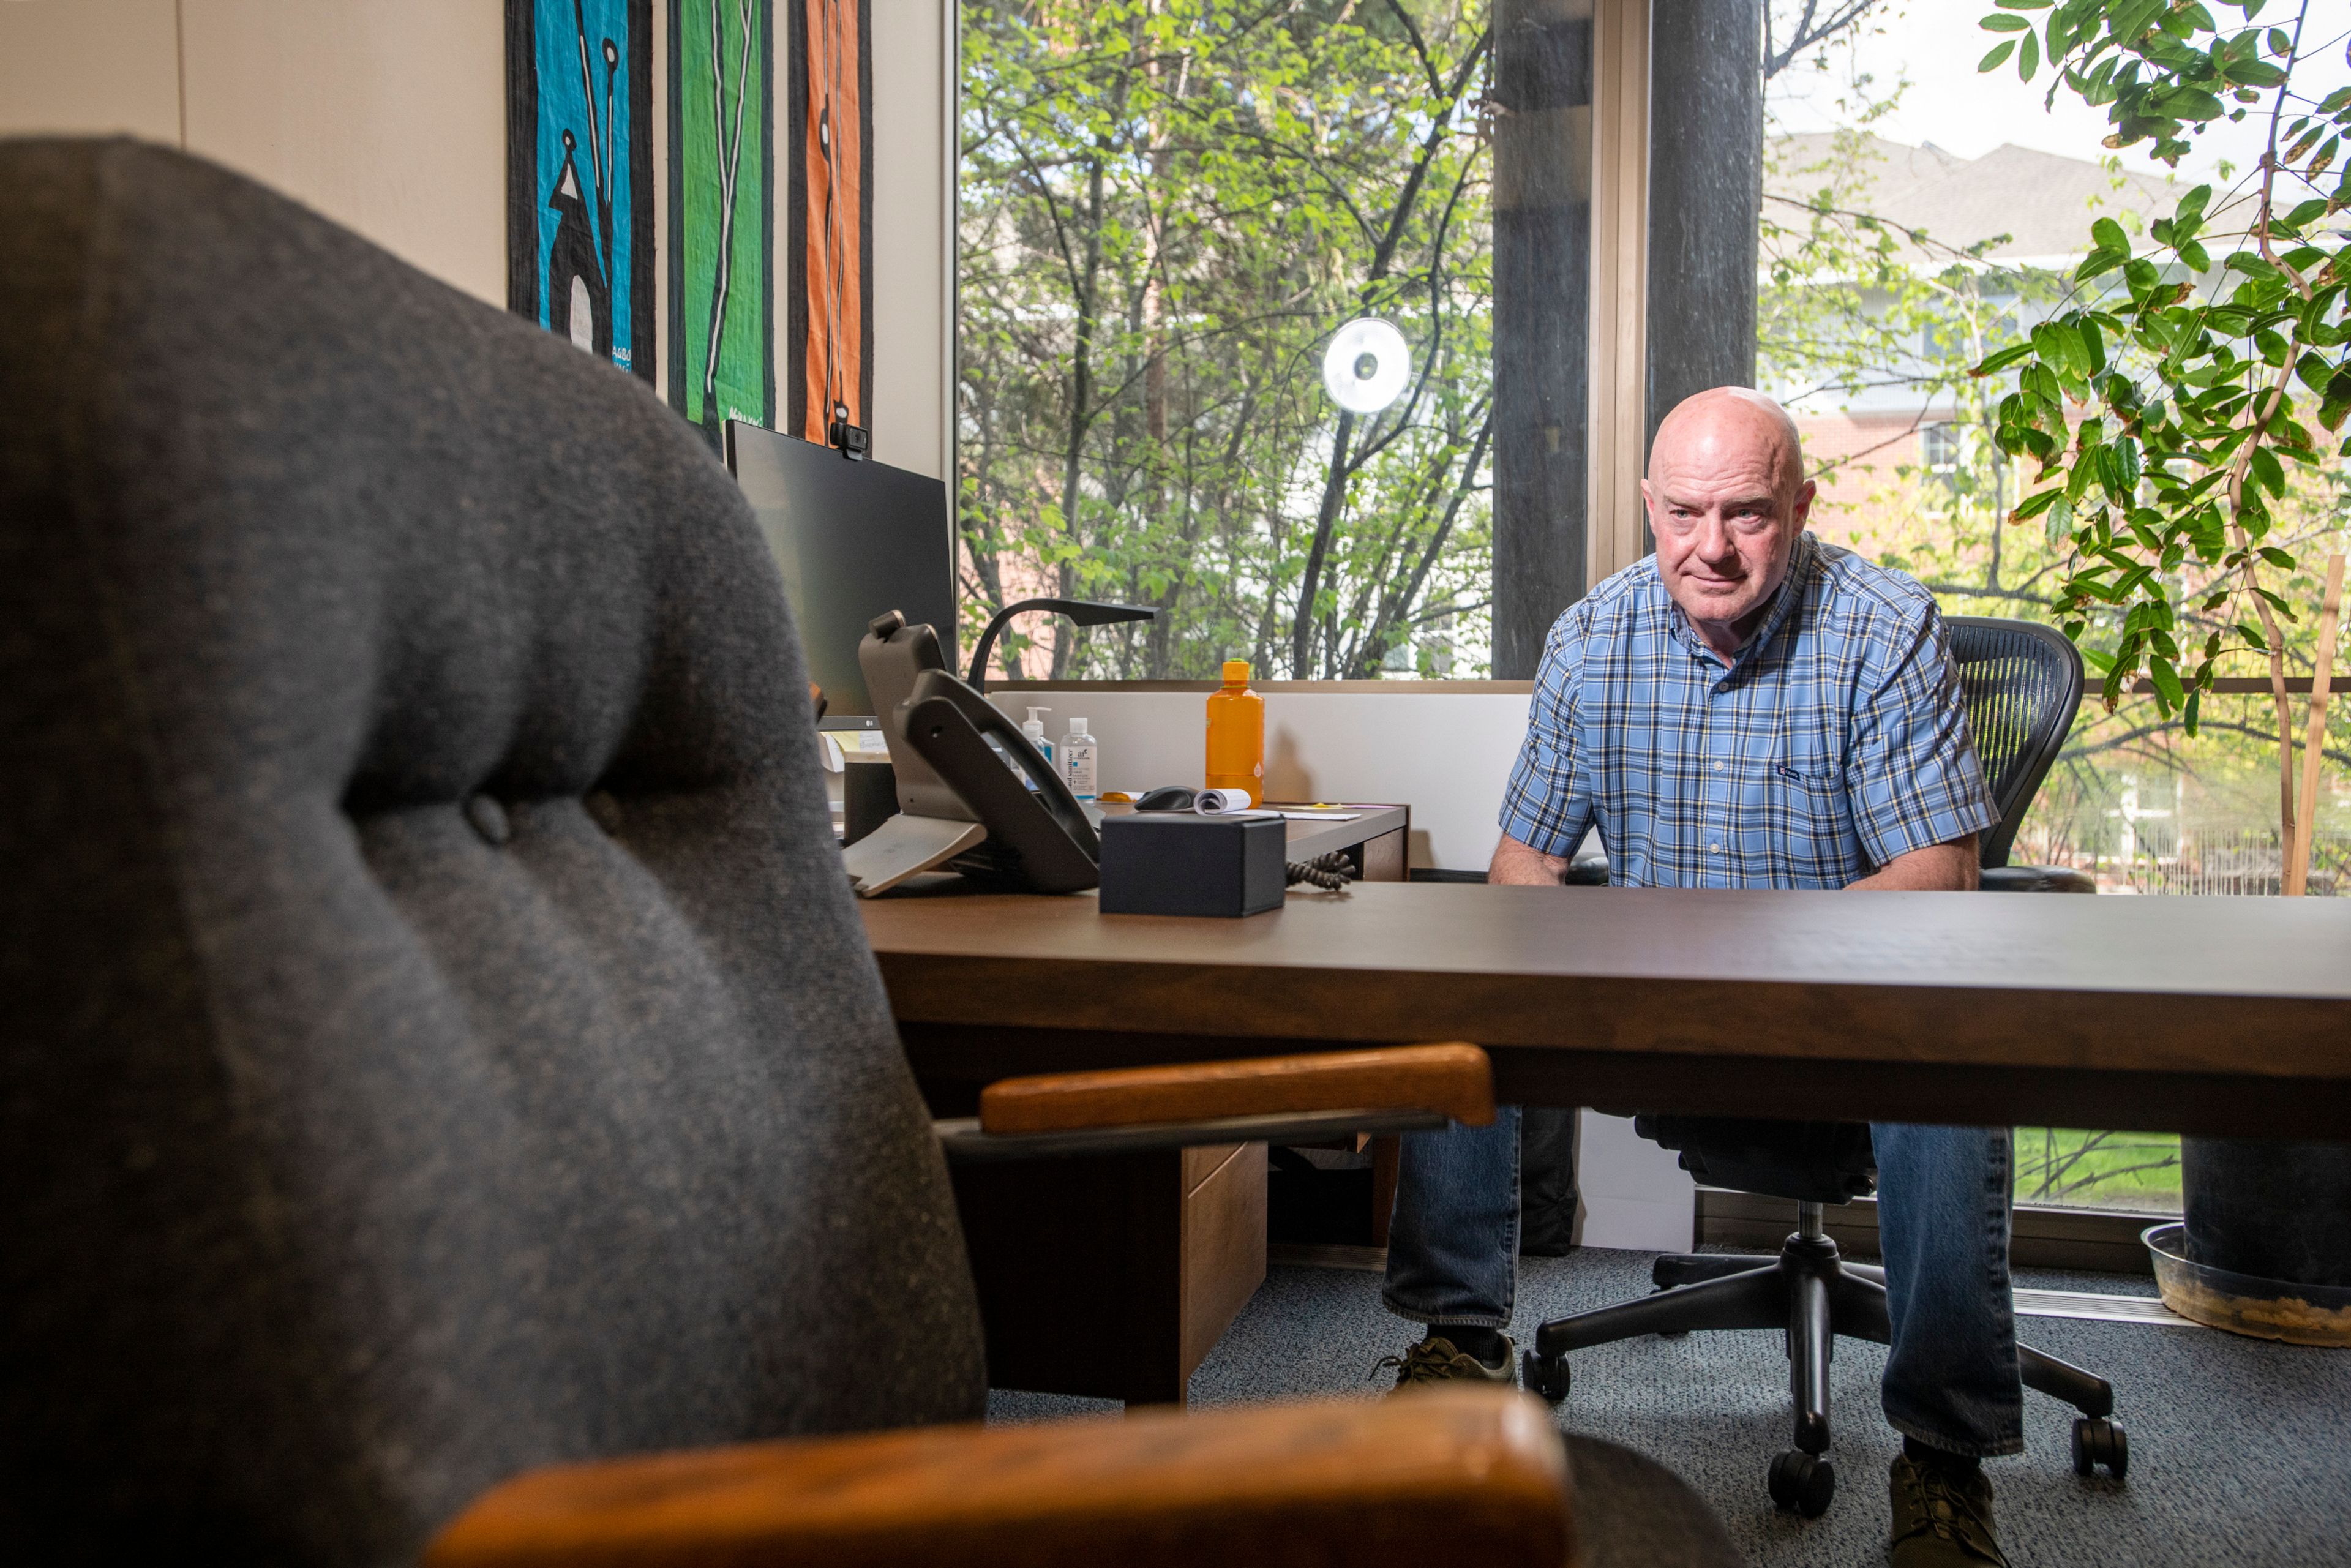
{"x": 2241, "y": 1450}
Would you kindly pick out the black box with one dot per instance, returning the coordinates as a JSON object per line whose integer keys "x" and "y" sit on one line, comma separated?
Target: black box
{"x": 1180, "y": 862}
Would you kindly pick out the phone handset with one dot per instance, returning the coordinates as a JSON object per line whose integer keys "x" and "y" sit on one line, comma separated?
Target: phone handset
{"x": 960, "y": 804}
{"x": 1038, "y": 835}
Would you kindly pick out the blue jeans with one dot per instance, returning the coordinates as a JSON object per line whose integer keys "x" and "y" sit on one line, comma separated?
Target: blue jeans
{"x": 1943, "y": 1196}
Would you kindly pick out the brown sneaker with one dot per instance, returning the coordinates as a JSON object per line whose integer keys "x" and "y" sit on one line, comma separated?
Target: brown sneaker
{"x": 1435, "y": 1360}
{"x": 1942, "y": 1519}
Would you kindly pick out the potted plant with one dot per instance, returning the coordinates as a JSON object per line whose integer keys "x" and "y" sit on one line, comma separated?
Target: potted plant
{"x": 2165, "y": 407}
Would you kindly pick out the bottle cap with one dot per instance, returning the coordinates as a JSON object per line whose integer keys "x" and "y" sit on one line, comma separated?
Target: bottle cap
{"x": 1235, "y": 670}
{"x": 1077, "y": 726}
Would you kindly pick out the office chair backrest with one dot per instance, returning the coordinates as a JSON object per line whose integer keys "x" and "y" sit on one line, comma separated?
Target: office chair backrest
{"x": 2023, "y": 682}
{"x": 437, "y": 1038}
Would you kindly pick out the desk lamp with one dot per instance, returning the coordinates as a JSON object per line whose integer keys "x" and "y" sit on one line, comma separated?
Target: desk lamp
{"x": 1084, "y": 611}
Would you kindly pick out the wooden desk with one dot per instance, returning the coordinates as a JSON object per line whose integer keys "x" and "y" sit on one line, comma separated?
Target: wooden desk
{"x": 2210, "y": 1015}
{"x": 2199, "y": 1015}
{"x": 1115, "y": 1277}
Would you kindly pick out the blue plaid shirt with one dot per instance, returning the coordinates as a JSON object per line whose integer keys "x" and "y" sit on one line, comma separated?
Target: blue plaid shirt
{"x": 1832, "y": 743}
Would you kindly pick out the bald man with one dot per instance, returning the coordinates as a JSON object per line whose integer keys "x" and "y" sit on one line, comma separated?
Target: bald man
{"x": 1750, "y": 707}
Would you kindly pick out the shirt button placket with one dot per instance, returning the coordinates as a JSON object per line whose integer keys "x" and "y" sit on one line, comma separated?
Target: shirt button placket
{"x": 1714, "y": 873}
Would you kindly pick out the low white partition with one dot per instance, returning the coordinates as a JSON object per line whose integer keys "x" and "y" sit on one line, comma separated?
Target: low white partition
{"x": 1443, "y": 750}
{"x": 1635, "y": 1195}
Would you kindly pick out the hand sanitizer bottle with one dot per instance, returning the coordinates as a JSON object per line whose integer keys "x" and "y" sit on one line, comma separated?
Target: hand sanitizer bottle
{"x": 1078, "y": 760}
{"x": 1035, "y": 730}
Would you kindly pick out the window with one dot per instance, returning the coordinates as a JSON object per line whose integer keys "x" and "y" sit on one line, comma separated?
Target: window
{"x": 1267, "y": 313}
{"x": 1940, "y": 447}
{"x": 1169, "y": 210}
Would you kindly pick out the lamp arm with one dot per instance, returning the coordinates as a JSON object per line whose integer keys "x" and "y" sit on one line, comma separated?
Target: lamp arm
{"x": 1002, "y": 618}
{"x": 1084, "y": 611}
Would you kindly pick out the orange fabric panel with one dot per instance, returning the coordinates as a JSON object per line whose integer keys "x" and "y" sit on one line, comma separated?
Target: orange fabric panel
{"x": 832, "y": 266}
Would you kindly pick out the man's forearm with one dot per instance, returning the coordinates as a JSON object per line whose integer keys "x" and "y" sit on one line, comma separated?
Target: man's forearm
{"x": 1945, "y": 868}
{"x": 1516, "y": 862}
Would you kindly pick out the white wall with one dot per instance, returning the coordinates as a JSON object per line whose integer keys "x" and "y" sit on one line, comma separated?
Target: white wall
{"x": 389, "y": 116}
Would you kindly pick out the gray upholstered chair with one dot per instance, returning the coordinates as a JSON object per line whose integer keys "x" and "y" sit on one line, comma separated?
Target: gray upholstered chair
{"x": 435, "y": 1037}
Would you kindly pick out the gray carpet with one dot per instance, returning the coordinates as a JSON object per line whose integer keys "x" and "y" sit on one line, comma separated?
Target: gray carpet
{"x": 2240, "y": 1450}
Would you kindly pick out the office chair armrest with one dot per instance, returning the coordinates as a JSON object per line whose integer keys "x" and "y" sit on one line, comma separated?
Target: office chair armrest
{"x": 1277, "y": 1099}
{"x": 1456, "y": 1081}
{"x": 1467, "y": 1476}
{"x": 2036, "y": 879}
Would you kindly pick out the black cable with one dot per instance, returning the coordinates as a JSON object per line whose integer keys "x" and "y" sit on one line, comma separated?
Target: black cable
{"x": 1331, "y": 873}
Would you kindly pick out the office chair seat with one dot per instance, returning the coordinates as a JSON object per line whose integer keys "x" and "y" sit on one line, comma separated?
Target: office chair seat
{"x": 2022, "y": 684}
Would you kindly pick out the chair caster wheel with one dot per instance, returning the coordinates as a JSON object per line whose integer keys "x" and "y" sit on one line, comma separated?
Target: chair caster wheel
{"x": 2099, "y": 1441}
{"x": 1548, "y": 1378}
{"x": 1803, "y": 1483}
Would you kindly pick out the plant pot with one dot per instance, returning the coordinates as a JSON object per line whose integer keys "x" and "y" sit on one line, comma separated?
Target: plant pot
{"x": 2265, "y": 1246}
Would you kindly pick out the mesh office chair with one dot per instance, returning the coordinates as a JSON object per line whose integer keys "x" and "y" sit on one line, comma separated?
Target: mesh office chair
{"x": 2022, "y": 683}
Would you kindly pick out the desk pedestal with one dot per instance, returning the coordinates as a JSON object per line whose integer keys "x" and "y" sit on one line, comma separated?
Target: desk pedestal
{"x": 1113, "y": 1276}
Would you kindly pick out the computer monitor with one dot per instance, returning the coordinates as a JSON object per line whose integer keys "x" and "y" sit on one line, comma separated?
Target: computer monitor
{"x": 852, "y": 540}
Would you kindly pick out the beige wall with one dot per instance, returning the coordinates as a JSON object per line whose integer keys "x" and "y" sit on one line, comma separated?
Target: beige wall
{"x": 913, "y": 261}
{"x": 90, "y": 67}
{"x": 390, "y": 118}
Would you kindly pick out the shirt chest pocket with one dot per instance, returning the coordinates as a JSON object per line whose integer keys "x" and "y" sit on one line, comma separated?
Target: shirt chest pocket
{"x": 1797, "y": 795}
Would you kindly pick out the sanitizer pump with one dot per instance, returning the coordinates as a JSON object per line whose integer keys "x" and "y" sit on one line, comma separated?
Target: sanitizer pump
{"x": 1035, "y": 730}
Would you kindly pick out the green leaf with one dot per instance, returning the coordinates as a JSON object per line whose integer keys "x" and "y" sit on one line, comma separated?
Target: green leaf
{"x": 1991, "y": 62}
{"x": 2267, "y": 470}
{"x": 2277, "y": 557}
{"x": 2189, "y": 103}
{"x": 2028, "y": 58}
{"x": 2110, "y": 236}
{"x": 2126, "y": 462}
{"x": 2094, "y": 345}
{"x": 2096, "y": 262}
{"x": 2002, "y": 359}
{"x": 2168, "y": 691}
{"x": 2000, "y": 24}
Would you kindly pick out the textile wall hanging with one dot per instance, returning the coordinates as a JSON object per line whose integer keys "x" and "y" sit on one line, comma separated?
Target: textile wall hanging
{"x": 829, "y": 341}
{"x": 580, "y": 179}
{"x": 722, "y": 224}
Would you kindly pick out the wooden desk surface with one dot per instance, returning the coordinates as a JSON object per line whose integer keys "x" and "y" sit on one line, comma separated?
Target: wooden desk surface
{"x": 2196, "y": 1014}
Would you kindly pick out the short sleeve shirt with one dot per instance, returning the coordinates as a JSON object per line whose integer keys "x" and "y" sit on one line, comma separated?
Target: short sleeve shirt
{"x": 1835, "y": 741}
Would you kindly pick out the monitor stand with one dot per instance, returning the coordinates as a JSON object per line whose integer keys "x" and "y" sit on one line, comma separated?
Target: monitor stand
{"x": 905, "y": 846}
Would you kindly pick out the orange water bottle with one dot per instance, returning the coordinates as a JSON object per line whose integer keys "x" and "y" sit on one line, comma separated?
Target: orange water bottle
{"x": 1237, "y": 734}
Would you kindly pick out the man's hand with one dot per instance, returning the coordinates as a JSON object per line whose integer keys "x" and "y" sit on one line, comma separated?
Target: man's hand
{"x": 1517, "y": 863}
{"x": 1946, "y": 868}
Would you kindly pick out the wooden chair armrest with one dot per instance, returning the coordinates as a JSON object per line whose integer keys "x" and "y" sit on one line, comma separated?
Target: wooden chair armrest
{"x": 1476, "y": 1477}
{"x": 1454, "y": 1080}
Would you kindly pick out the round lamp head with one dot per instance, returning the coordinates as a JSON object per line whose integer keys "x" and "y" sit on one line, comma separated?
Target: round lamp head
{"x": 1366, "y": 365}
